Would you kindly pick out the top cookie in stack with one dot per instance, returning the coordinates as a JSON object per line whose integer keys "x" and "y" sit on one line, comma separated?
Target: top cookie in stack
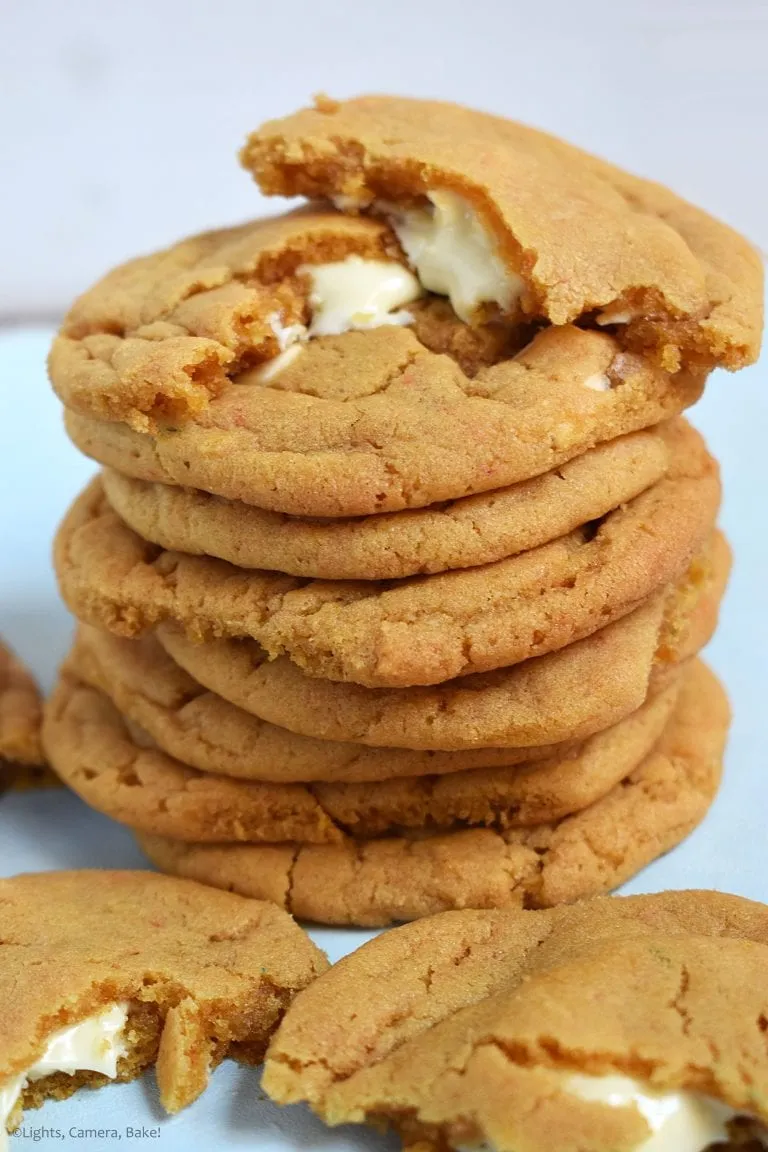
{"x": 409, "y": 462}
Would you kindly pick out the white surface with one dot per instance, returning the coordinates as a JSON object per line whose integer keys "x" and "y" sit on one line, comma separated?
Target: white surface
{"x": 120, "y": 121}
{"x": 39, "y": 474}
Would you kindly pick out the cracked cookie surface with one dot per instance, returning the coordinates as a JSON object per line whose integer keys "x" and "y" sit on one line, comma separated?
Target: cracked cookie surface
{"x": 204, "y": 974}
{"x": 582, "y": 235}
{"x": 116, "y": 768}
{"x": 479, "y": 1018}
{"x": 421, "y": 631}
{"x": 566, "y": 695}
{"x": 376, "y": 882}
{"x": 460, "y": 534}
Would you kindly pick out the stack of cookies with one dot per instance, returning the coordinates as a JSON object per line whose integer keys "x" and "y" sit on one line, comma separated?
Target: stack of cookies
{"x": 393, "y": 582}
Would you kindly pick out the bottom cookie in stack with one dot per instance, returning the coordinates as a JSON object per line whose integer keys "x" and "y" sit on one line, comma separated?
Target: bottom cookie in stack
{"x": 368, "y": 835}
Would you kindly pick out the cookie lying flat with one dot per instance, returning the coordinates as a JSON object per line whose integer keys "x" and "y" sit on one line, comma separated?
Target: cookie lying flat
{"x": 119, "y": 772}
{"x": 478, "y": 1035}
{"x": 420, "y": 631}
{"x": 102, "y": 758}
{"x": 521, "y": 222}
{"x": 204, "y": 730}
{"x": 462, "y": 533}
{"x": 402, "y": 878}
{"x": 353, "y": 424}
{"x": 105, "y": 973}
{"x": 567, "y": 695}
{"x": 22, "y": 763}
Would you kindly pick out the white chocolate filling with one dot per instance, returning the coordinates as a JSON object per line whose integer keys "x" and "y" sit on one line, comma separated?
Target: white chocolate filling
{"x": 348, "y": 295}
{"x": 93, "y": 1045}
{"x": 454, "y": 254}
{"x": 598, "y": 382}
{"x": 357, "y": 294}
{"x": 679, "y": 1121}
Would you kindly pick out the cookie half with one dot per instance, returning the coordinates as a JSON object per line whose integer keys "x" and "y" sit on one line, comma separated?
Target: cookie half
{"x": 377, "y": 882}
{"x": 478, "y": 1035}
{"x": 567, "y": 695}
{"x": 105, "y": 973}
{"x": 420, "y": 631}
{"x": 538, "y": 227}
{"x": 459, "y": 534}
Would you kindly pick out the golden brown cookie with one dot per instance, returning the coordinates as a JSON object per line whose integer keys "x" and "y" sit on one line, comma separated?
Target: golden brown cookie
{"x": 116, "y": 769}
{"x": 424, "y": 630}
{"x": 204, "y": 730}
{"x": 402, "y": 878}
{"x": 478, "y": 1034}
{"x": 21, "y": 712}
{"x": 566, "y": 695}
{"x": 358, "y": 423}
{"x": 154, "y": 792}
{"x": 187, "y": 975}
{"x": 575, "y": 235}
{"x": 459, "y": 534}
{"x": 22, "y": 763}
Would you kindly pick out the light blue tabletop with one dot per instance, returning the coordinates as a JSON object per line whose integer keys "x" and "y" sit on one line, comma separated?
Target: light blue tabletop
{"x": 40, "y": 473}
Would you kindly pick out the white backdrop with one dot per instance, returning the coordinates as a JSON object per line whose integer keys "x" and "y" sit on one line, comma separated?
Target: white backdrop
{"x": 119, "y": 119}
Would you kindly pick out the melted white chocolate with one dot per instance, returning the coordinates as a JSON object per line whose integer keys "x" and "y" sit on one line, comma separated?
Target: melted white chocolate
{"x": 679, "y": 1121}
{"x": 454, "y": 254}
{"x": 359, "y": 294}
{"x": 93, "y": 1045}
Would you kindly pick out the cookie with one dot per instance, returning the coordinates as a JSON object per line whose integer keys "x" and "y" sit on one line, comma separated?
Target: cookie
{"x": 376, "y": 882}
{"x": 566, "y": 695}
{"x": 420, "y": 631}
{"x": 117, "y": 770}
{"x": 21, "y": 712}
{"x": 204, "y": 730}
{"x": 536, "y": 226}
{"x": 362, "y": 422}
{"x": 89, "y": 743}
{"x": 22, "y": 764}
{"x": 459, "y": 534}
{"x": 136, "y": 969}
{"x": 478, "y": 1037}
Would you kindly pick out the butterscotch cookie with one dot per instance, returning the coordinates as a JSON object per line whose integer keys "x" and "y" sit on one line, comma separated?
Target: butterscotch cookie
{"x": 89, "y": 745}
{"x": 567, "y": 695}
{"x": 21, "y": 712}
{"x": 478, "y": 1034}
{"x": 420, "y": 631}
{"x": 165, "y": 368}
{"x": 459, "y": 534}
{"x": 22, "y": 764}
{"x": 204, "y": 730}
{"x": 401, "y": 878}
{"x": 501, "y": 217}
{"x": 105, "y": 973}
{"x": 116, "y": 769}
